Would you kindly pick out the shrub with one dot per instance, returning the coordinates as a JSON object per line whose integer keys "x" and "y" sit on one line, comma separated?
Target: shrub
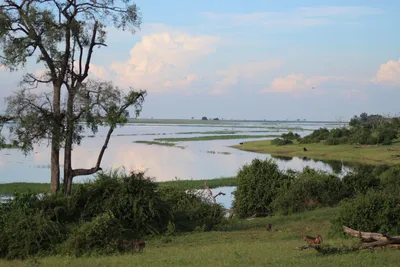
{"x": 390, "y": 180}
{"x": 308, "y": 190}
{"x": 281, "y": 142}
{"x": 290, "y": 136}
{"x": 98, "y": 236}
{"x": 257, "y": 185}
{"x": 98, "y": 215}
{"x": 361, "y": 179}
{"x": 135, "y": 201}
{"x": 190, "y": 210}
{"x": 371, "y": 212}
{"x": 26, "y": 230}
{"x": 315, "y": 137}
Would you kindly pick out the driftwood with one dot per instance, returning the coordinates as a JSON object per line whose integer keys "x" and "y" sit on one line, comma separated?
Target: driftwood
{"x": 257, "y": 215}
{"x": 214, "y": 198}
{"x": 372, "y": 240}
{"x": 368, "y": 240}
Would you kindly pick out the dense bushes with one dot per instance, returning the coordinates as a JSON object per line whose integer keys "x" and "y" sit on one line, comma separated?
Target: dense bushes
{"x": 98, "y": 215}
{"x": 286, "y": 139}
{"x": 257, "y": 186}
{"x": 281, "y": 142}
{"x": 368, "y": 196}
{"x": 364, "y": 130}
{"x": 190, "y": 210}
{"x": 371, "y": 212}
{"x": 308, "y": 190}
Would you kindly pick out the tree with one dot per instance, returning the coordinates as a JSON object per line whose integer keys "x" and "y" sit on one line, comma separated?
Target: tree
{"x": 96, "y": 102}
{"x": 62, "y": 34}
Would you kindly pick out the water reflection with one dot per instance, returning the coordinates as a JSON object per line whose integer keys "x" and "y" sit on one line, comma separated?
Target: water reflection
{"x": 164, "y": 163}
{"x": 336, "y": 166}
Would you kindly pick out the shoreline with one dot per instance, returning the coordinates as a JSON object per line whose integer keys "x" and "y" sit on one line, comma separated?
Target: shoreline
{"x": 19, "y": 187}
{"x": 374, "y": 155}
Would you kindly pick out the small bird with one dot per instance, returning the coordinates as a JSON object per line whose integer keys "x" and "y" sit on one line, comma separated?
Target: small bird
{"x": 304, "y": 149}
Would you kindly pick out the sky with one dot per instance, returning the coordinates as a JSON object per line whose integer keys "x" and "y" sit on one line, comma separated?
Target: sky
{"x": 273, "y": 60}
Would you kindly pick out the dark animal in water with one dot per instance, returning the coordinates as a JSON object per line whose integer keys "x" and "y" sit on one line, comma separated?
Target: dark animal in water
{"x": 304, "y": 149}
{"x": 241, "y": 143}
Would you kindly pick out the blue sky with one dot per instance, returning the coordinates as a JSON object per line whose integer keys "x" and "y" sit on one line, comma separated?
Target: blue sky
{"x": 256, "y": 59}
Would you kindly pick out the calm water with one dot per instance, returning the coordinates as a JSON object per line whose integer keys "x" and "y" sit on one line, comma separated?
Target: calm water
{"x": 194, "y": 161}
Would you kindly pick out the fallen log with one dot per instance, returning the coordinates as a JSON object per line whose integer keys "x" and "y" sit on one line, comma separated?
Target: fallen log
{"x": 371, "y": 240}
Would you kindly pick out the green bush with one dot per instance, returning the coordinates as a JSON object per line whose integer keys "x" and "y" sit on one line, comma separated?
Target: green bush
{"x": 374, "y": 211}
{"x": 361, "y": 179}
{"x": 281, "y": 142}
{"x": 390, "y": 180}
{"x": 190, "y": 210}
{"x": 257, "y": 185}
{"x": 26, "y": 230}
{"x": 133, "y": 199}
{"x": 315, "y": 137}
{"x": 290, "y": 136}
{"x": 98, "y": 215}
{"x": 308, "y": 190}
{"x": 98, "y": 236}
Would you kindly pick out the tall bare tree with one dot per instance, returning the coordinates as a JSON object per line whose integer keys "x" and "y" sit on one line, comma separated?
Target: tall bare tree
{"x": 62, "y": 35}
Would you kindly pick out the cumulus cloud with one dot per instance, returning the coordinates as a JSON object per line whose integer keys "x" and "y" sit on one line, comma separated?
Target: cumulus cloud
{"x": 388, "y": 73}
{"x": 233, "y": 74}
{"x": 297, "y": 83}
{"x": 163, "y": 61}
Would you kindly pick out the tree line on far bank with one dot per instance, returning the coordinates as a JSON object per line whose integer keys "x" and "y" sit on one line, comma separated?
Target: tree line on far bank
{"x": 365, "y": 129}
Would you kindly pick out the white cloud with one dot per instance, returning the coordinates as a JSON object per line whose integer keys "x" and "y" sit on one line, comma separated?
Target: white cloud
{"x": 388, "y": 73}
{"x": 297, "y": 83}
{"x": 300, "y": 17}
{"x": 251, "y": 71}
{"x": 163, "y": 61}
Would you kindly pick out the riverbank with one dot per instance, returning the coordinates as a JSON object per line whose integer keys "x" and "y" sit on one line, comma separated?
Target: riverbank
{"x": 213, "y": 137}
{"x": 11, "y": 188}
{"x": 376, "y": 155}
{"x": 237, "y": 243}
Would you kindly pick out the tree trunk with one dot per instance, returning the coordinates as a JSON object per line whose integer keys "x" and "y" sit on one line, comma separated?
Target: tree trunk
{"x": 55, "y": 140}
{"x": 68, "y": 172}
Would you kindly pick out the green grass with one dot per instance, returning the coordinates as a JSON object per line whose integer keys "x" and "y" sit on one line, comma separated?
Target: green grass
{"x": 8, "y": 146}
{"x": 155, "y": 143}
{"x": 241, "y": 243}
{"x": 348, "y": 153}
{"x": 212, "y": 137}
{"x": 10, "y": 188}
{"x": 199, "y": 184}
{"x": 209, "y": 132}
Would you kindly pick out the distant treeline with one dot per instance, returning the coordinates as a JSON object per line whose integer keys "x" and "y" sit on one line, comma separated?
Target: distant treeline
{"x": 363, "y": 130}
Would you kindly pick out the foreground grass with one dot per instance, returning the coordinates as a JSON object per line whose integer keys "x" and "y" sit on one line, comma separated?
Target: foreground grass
{"x": 238, "y": 243}
{"x": 212, "y": 137}
{"x": 11, "y": 188}
{"x": 368, "y": 155}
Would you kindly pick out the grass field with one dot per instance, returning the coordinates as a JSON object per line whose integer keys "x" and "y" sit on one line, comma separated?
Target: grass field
{"x": 11, "y": 188}
{"x": 158, "y": 143}
{"x": 213, "y": 137}
{"x": 368, "y": 155}
{"x": 239, "y": 243}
